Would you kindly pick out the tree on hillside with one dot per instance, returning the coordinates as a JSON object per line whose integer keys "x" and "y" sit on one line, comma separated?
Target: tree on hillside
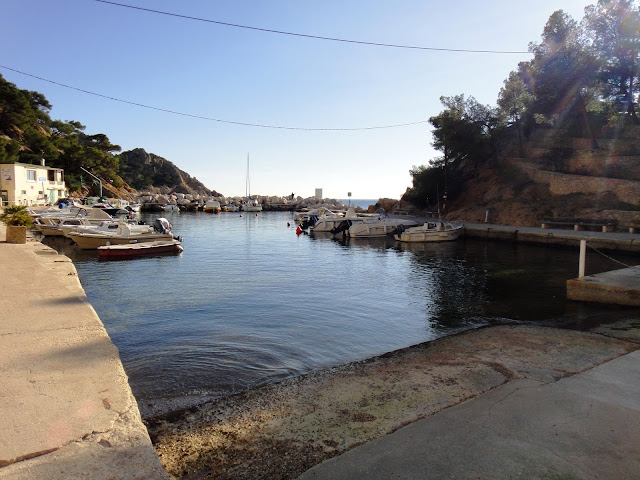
{"x": 513, "y": 101}
{"x": 614, "y": 29}
{"x": 464, "y": 133}
{"x": 563, "y": 75}
{"x": 464, "y": 129}
{"x": 24, "y": 119}
{"x": 426, "y": 186}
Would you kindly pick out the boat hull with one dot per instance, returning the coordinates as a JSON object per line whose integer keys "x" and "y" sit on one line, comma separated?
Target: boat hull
{"x": 418, "y": 235}
{"x": 379, "y": 228}
{"x": 139, "y": 249}
{"x": 252, "y": 208}
{"x": 91, "y": 241}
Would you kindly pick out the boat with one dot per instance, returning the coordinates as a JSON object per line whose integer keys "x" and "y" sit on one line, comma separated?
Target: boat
{"x": 212, "y": 206}
{"x": 171, "y": 207}
{"x": 55, "y": 223}
{"x": 106, "y": 226}
{"x": 250, "y": 204}
{"x": 230, "y": 207}
{"x": 110, "y": 209}
{"x": 329, "y": 221}
{"x": 138, "y": 249}
{"x": 380, "y": 226}
{"x": 429, "y": 232}
{"x": 310, "y": 216}
{"x": 123, "y": 234}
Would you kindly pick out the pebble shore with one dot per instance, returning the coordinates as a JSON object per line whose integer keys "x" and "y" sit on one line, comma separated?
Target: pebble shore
{"x": 282, "y": 430}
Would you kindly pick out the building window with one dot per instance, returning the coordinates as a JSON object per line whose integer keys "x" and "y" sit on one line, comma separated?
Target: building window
{"x": 24, "y": 192}
{"x": 31, "y": 175}
{"x": 51, "y": 175}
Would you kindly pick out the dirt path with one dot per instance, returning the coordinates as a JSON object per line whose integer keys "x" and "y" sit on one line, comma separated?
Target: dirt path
{"x": 279, "y": 431}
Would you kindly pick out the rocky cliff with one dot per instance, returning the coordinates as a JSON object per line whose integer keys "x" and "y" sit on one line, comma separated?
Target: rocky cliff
{"x": 149, "y": 172}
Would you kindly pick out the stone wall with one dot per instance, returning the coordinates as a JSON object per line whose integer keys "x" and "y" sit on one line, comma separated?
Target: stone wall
{"x": 602, "y": 164}
{"x": 565, "y": 184}
{"x": 615, "y": 146}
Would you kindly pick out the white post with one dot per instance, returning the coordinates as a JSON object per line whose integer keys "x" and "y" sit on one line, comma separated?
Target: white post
{"x": 583, "y": 256}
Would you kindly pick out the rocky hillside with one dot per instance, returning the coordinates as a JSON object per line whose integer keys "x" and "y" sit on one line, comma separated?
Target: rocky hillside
{"x": 149, "y": 172}
{"x": 556, "y": 175}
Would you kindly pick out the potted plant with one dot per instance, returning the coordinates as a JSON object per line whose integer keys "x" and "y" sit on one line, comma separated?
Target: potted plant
{"x": 18, "y": 221}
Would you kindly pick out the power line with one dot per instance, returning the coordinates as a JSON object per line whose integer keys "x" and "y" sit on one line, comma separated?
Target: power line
{"x": 201, "y": 117}
{"x": 316, "y": 37}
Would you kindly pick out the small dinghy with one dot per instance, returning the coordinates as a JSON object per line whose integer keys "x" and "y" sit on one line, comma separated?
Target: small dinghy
{"x": 138, "y": 249}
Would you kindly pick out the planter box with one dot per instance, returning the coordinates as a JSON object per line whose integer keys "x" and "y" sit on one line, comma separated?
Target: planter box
{"x": 16, "y": 234}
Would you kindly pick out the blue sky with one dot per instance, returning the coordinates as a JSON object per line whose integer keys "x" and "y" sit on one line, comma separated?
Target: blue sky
{"x": 247, "y": 76}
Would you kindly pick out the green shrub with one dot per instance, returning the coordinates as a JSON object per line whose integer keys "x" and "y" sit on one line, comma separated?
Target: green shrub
{"x": 16, "y": 215}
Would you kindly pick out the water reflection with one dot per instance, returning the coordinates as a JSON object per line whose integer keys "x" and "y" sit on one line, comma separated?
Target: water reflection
{"x": 250, "y": 302}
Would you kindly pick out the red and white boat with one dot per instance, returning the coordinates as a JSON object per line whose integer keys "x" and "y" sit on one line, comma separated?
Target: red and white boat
{"x": 139, "y": 249}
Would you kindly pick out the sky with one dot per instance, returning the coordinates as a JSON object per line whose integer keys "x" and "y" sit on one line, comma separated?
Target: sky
{"x": 217, "y": 77}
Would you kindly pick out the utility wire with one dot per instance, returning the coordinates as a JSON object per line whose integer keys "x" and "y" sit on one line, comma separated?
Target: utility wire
{"x": 316, "y": 37}
{"x": 201, "y": 117}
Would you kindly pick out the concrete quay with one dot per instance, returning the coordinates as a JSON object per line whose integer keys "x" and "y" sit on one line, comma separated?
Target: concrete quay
{"x": 620, "y": 287}
{"x": 67, "y": 408}
{"x": 628, "y": 242}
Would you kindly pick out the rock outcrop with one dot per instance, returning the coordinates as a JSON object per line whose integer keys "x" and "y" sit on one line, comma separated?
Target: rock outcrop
{"x": 149, "y": 172}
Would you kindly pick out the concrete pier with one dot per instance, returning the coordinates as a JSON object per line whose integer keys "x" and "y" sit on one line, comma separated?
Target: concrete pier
{"x": 622, "y": 241}
{"x": 67, "y": 408}
{"x": 619, "y": 287}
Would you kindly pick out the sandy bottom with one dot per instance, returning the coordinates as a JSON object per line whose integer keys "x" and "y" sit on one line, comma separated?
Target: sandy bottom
{"x": 280, "y": 431}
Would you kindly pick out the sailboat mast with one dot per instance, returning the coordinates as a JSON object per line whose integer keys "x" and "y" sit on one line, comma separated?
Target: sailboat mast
{"x": 248, "y": 181}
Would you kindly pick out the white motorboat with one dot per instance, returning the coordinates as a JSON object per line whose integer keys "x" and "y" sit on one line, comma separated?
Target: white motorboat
{"x": 378, "y": 227}
{"x": 430, "y": 232}
{"x": 124, "y": 233}
{"x": 139, "y": 249}
{"x": 230, "y": 207}
{"x": 309, "y": 217}
{"x": 171, "y": 207}
{"x": 330, "y": 222}
{"x": 56, "y": 223}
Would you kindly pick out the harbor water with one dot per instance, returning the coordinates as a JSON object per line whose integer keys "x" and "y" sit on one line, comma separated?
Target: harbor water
{"x": 249, "y": 302}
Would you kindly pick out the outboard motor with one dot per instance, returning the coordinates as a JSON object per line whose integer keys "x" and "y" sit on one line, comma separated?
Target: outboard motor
{"x": 162, "y": 225}
{"x": 398, "y": 230}
{"x": 342, "y": 227}
{"x": 310, "y": 222}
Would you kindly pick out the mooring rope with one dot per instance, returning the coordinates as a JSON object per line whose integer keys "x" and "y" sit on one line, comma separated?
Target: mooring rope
{"x": 610, "y": 258}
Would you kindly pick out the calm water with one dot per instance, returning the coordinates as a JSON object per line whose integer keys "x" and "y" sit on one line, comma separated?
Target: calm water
{"x": 248, "y": 302}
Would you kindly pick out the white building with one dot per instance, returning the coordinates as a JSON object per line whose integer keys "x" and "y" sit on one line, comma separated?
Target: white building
{"x": 25, "y": 184}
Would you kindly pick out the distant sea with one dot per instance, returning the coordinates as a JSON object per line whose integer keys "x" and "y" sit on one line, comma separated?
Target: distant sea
{"x": 359, "y": 203}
